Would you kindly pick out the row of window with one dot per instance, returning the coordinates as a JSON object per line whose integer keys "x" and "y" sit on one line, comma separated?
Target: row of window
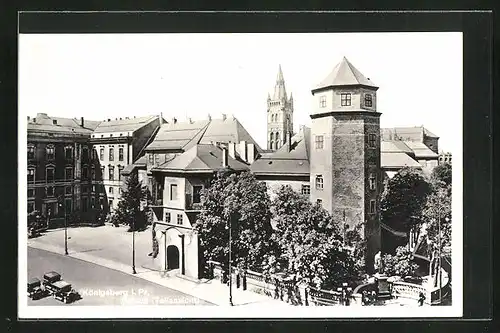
{"x": 197, "y": 189}
{"x": 111, "y": 153}
{"x": 168, "y": 218}
{"x": 345, "y": 100}
{"x": 50, "y": 151}
{"x": 68, "y": 173}
{"x": 319, "y": 183}
{"x": 319, "y": 141}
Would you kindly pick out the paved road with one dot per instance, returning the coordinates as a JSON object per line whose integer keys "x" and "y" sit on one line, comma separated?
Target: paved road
{"x": 99, "y": 285}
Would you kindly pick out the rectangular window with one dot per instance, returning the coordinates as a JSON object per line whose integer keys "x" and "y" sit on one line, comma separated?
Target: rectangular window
{"x": 101, "y": 154}
{"x": 68, "y": 190}
{"x": 368, "y": 100}
{"x": 50, "y": 175}
{"x": 85, "y": 152}
{"x": 373, "y": 181}
{"x": 85, "y": 172}
{"x": 319, "y": 202}
{"x": 179, "y": 219}
{"x": 31, "y": 175}
{"x": 102, "y": 173}
{"x": 372, "y": 206}
{"x": 110, "y": 190}
{"x": 322, "y": 102}
{"x": 306, "y": 189}
{"x": 31, "y": 207}
{"x": 151, "y": 158}
{"x": 372, "y": 138}
{"x": 120, "y": 154}
{"x": 85, "y": 204}
{"x": 319, "y": 182}
{"x": 31, "y": 192}
{"x": 68, "y": 205}
{"x": 345, "y": 99}
{"x": 68, "y": 153}
{"x": 68, "y": 173}
{"x": 119, "y": 190}
{"x": 173, "y": 191}
{"x": 31, "y": 152}
{"x": 92, "y": 171}
{"x": 197, "y": 193}
{"x": 51, "y": 152}
{"x": 49, "y": 191}
{"x": 318, "y": 140}
{"x": 92, "y": 202}
{"x": 120, "y": 169}
{"x": 111, "y": 172}
{"x": 110, "y": 203}
{"x": 167, "y": 217}
{"x": 111, "y": 154}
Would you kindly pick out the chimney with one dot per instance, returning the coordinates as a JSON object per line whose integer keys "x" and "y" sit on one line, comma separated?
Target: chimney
{"x": 225, "y": 162}
{"x": 224, "y": 116}
{"x": 190, "y": 120}
{"x": 232, "y": 149}
{"x": 109, "y": 120}
{"x": 209, "y": 117}
{"x": 174, "y": 121}
{"x": 250, "y": 153}
{"x": 82, "y": 123}
{"x": 243, "y": 150}
{"x": 160, "y": 119}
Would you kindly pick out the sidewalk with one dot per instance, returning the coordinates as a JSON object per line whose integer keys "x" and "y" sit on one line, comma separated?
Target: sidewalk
{"x": 93, "y": 248}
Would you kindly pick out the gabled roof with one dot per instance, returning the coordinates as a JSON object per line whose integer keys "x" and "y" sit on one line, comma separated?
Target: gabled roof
{"x": 45, "y": 123}
{"x": 345, "y": 74}
{"x": 415, "y": 133}
{"x": 200, "y": 158}
{"x": 284, "y": 161}
{"x": 184, "y": 135}
{"x": 397, "y": 160}
{"x": 421, "y": 150}
{"x": 124, "y": 124}
{"x": 395, "y": 146}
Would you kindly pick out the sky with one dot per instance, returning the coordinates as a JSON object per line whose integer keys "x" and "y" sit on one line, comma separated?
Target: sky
{"x": 101, "y": 76}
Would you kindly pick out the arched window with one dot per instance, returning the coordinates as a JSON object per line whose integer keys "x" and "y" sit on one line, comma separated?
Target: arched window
{"x": 272, "y": 136}
{"x": 271, "y": 145}
{"x": 276, "y": 145}
{"x": 51, "y": 152}
{"x": 277, "y": 136}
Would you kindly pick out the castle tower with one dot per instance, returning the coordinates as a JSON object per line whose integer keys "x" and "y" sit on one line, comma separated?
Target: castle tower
{"x": 345, "y": 152}
{"x": 279, "y": 114}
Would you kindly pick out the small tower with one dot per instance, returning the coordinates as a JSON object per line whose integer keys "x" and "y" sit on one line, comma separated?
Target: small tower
{"x": 279, "y": 114}
{"x": 345, "y": 152}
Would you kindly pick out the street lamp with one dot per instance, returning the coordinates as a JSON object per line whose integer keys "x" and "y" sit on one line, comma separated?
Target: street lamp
{"x": 228, "y": 226}
{"x": 133, "y": 246}
{"x": 345, "y": 290}
{"x": 62, "y": 205}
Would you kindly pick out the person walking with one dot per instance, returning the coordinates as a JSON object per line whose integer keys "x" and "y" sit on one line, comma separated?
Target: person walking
{"x": 421, "y": 299}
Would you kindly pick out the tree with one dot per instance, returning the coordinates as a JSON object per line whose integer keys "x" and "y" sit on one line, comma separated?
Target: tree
{"x": 129, "y": 210}
{"x": 442, "y": 173}
{"x": 310, "y": 242}
{"x": 241, "y": 201}
{"x": 400, "y": 264}
{"x": 403, "y": 200}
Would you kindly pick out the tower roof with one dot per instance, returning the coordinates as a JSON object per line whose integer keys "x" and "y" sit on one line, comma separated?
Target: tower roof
{"x": 279, "y": 88}
{"x": 344, "y": 74}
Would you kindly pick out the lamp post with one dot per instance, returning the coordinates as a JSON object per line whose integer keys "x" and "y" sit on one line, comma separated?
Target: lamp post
{"x": 228, "y": 226}
{"x": 345, "y": 290}
{"x": 65, "y": 229}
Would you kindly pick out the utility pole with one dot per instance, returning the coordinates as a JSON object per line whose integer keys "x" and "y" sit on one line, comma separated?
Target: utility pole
{"x": 439, "y": 252}
{"x": 133, "y": 246}
{"x": 230, "y": 273}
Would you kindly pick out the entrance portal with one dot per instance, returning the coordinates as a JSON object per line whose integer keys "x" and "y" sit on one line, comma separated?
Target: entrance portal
{"x": 172, "y": 257}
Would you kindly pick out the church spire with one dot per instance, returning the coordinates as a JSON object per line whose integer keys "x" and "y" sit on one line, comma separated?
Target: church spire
{"x": 279, "y": 88}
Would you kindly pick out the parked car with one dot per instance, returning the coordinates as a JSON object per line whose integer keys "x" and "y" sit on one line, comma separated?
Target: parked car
{"x": 35, "y": 290}
{"x": 64, "y": 292}
{"x": 49, "y": 279}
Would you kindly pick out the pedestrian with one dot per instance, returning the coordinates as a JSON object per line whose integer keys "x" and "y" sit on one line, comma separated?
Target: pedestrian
{"x": 421, "y": 299}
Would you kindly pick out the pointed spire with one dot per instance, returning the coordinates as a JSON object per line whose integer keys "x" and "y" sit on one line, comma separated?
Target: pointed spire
{"x": 268, "y": 97}
{"x": 279, "y": 88}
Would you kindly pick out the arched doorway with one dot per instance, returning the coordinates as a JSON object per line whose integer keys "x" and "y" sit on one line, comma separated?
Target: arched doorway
{"x": 172, "y": 257}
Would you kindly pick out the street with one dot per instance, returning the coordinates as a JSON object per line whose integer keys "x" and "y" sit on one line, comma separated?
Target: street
{"x": 99, "y": 285}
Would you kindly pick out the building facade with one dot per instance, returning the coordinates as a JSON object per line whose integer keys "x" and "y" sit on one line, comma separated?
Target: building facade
{"x": 115, "y": 145}
{"x": 444, "y": 158}
{"x": 56, "y": 155}
{"x": 279, "y": 114}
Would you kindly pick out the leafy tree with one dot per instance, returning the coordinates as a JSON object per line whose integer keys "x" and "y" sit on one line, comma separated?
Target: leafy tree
{"x": 403, "y": 200}
{"x": 442, "y": 173}
{"x": 310, "y": 242}
{"x": 129, "y": 209}
{"x": 400, "y": 264}
{"x": 241, "y": 201}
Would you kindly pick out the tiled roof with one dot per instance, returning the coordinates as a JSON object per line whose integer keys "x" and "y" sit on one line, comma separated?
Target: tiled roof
{"x": 200, "y": 158}
{"x": 397, "y": 160}
{"x": 184, "y": 135}
{"x": 285, "y": 162}
{"x": 345, "y": 74}
{"x": 406, "y": 133}
{"x": 124, "y": 125}
{"x": 421, "y": 150}
{"x": 43, "y": 122}
{"x": 395, "y": 146}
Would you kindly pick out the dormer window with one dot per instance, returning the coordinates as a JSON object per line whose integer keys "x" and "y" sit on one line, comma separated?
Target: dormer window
{"x": 345, "y": 99}
{"x": 368, "y": 100}
{"x": 322, "y": 101}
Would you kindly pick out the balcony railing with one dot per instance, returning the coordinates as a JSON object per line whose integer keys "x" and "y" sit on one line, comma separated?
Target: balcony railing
{"x": 190, "y": 205}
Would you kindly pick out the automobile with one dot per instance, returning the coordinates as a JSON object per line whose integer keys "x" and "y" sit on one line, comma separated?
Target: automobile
{"x": 64, "y": 292}
{"x": 49, "y": 279}
{"x": 35, "y": 290}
